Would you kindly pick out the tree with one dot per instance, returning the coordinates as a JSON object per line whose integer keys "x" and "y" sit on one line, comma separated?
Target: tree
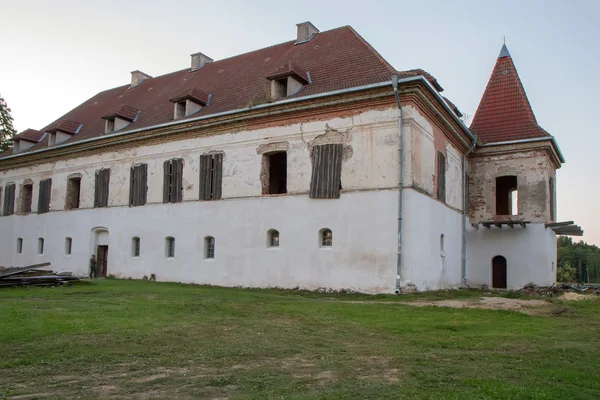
{"x": 566, "y": 273}
{"x": 7, "y": 131}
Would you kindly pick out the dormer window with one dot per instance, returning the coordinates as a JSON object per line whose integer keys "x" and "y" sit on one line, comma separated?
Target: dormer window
{"x": 119, "y": 118}
{"x": 63, "y": 131}
{"x": 189, "y": 102}
{"x": 287, "y": 80}
{"x": 26, "y": 140}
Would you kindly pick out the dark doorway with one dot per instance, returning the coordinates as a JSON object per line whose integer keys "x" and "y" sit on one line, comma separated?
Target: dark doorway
{"x": 499, "y": 272}
{"x": 276, "y": 164}
{"x": 506, "y": 196}
{"x": 101, "y": 261}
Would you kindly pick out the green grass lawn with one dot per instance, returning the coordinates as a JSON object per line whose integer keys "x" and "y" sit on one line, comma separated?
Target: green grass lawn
{"x": 135, "y": 339}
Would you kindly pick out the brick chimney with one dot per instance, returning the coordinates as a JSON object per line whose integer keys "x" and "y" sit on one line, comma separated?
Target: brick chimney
{"x": 306, "y": 31}
{"x": 138, "y": 77}
{"x": 199, "y": 60}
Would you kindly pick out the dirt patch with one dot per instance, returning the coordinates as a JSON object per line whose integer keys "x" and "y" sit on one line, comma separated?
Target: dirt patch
{"x": 572, "y": 296}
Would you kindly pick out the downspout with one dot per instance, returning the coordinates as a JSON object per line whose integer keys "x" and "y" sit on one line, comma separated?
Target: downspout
{"x": 465, "y": 215}
{"x": 399, "y": 263}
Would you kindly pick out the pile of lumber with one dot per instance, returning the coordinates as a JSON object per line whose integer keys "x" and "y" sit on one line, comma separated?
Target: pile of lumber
{"x": 32, "y": 275}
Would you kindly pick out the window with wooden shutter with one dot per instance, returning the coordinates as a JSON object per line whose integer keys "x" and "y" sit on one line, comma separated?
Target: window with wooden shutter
{"x": 138, "y": 188}
{"x": 211, "y": 176}
{"x": 9, "y": 200}
{"x": 173, "y": 181}
{"x": 44, "y": 196}
{"x": 552, "y": 199}
{"x": 441, "y": 177}
{"x": 325, "y": 182}
{"x": 102, "y": 183}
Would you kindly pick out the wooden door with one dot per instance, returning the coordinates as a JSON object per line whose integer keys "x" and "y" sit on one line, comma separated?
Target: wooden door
{"x": 499, "y": 272}
{"x": 101, "y": 261}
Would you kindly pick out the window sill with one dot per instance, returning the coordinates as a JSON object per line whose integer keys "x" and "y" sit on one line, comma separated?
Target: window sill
{"x": 209, "y": 259}
{"x": 325, "y": 248}
{"x": 135, "y": 257}
{"x": 273, "y": 248}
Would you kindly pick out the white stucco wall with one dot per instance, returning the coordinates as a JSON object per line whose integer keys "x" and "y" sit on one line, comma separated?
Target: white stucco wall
{"x": 363, "y": 255}
{"x": 425, "y": 220}
{"x": 530, "y": 255}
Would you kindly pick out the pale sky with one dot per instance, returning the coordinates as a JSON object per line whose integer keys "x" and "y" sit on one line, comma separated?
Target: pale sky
{"x": 56, "y": 54}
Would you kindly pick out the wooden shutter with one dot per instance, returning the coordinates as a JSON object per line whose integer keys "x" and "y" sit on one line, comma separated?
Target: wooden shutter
{"x": 167, "y": 178}
{"x": 326, "y": 171}
{"x": 9, "y": 200}
{"x": 211, "y": 176}
{"x": 44, "y": 196}
{"x": 441, "y": 177}
{"x": 138, "y": 188}
{"x": 1, "y": 200}
{"x": 105, "y": 186}
{"x": 217, "y": 176}
{"x": 101, "y": 186}
{"x": 143, "y": 183}
{"x": 177, "y": 181}
{"x": 132, "y": 184}
{"x": 552, "y": 199}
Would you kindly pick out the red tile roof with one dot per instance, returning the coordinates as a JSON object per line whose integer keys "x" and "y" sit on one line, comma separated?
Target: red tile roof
{"x": 65, "y": 126}
{"x": 31, "y": 135}
{"x": 504, "y": 113}
{"x": 194, "y": 94}
{"x": 336, "y": 59}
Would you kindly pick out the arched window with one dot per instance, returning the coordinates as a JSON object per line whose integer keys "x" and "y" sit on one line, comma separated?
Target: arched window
{"x": 135, "y": 247}
{"x": 273, "y": 238}
{"x": 209, "y": 247}
{"x": 170, "y": 247}
{"x": 68, "y": 245}
{"x": 326, "y": 237}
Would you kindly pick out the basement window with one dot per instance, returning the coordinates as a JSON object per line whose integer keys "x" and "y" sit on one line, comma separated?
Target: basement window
{"x": 68, "y": 246}
{"x": 170, "y": 247}
{"x": 25, "y": 198}
{"x": 19, "y": 246}
{"x": 507, "y": 195}
{"x": 40, "y": 245}
{"x": 275, "y": 173}
{"x": 273, "y": 238}
{"x": 73, "y": 192}
{"x": 209, "y": 247}
{"x": 326, "y": 237}
{"x": 135, "y": 247}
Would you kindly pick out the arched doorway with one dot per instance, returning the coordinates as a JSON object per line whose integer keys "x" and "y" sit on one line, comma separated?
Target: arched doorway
{"x": 100, "y": 249}
{"x": 499, "y": 272}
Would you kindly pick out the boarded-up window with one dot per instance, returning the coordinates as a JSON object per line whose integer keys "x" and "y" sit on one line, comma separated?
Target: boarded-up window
{"x": 101, "y": 187}
{"x": 138, "y": 188}
{"x": 211, "y": 176}
{"x": 44, "y": 196}
{"x": 173, "y": 181}
{"x": 441, "y": 177}
{"x": 552, "y": 199}
{"x": 326, "y": 177}
{"x": 9, "y": 200}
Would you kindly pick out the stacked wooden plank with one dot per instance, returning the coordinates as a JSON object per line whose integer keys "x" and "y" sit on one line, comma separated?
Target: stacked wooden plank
{"x": 33, "y": 275}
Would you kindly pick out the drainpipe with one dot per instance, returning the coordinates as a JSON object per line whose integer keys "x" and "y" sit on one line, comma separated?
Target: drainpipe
{"x": 465, "y": 215}
{"x": 399, "y": 264}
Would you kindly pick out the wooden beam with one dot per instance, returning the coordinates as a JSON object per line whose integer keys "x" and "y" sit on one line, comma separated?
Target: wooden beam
{"x": 522, "y": 223}
{"x": 511, "y": 225}
{"x": 554, "y": 224}
{"x": 486, "y": 224}
{"x": 498, "y": 225}
{"x": 474, "y": 225}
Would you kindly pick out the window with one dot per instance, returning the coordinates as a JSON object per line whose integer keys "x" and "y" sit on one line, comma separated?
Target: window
{"x": 173, "y": 181}
{"x": 274, "y": 176}
{"x": 170, "y": 247}
{"x": 73, "y": 193}
{"x": 68, "y": 245}
{"x": 279, "y": 88}
{"x": 209, "y": 247}
{"x": 138, "y": 188}
{"x": 135, "y": 247}
{"x": 506, "y": 195}
{"x": 273, "y": 238}
{"x": 44, "y": 196}
{"x": 52, "y": 139}
{"x": 19, "y": 246}
{"x": 551, "y": 187}
{"x": 325, "y": 182}
{"x": 441, "y": 177}
{"x": 442, "y": 244}
{"x": 180, "y": 109}
{"x": 40, "y": 245}
{"x": 211, "y": 176}
{"x": 9, "y": 200}
{"x": 109, "y": 126}
{"x": 326, "y": 238}
{"x": 25, "y": 198}
{"x": 102, "y": 182}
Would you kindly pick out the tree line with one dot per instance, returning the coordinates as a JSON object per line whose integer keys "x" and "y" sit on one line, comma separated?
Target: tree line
{"x": 577, "y": 262}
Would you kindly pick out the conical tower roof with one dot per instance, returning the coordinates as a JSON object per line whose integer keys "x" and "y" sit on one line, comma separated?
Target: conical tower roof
{"x": 504, "y": 113}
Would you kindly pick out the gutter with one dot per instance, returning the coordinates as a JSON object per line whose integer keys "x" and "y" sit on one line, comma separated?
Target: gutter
{"x": 400, "y": 183}
{"x": 465, "y": 215}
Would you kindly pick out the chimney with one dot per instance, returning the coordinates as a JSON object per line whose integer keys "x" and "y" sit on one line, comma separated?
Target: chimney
{"x": 137, "y": 77}
{"x": 306, "y": 31}
{"x": 199, "y": 60}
